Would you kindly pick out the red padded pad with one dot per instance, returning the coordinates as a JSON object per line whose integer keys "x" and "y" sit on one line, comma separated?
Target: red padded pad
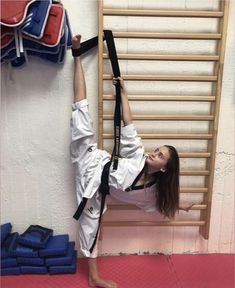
{"x": 54, "y": 26}
{"x": 14, "y": 15}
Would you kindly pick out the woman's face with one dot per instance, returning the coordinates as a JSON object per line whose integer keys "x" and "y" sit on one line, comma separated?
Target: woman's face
{"x": 157, "y": 160}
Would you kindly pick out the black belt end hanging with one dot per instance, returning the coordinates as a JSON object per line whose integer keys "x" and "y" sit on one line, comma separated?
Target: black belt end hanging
{"x": 80, "y": 208}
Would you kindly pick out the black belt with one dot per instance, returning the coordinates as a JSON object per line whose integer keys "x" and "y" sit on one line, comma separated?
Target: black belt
{"x": 104, "y": 186}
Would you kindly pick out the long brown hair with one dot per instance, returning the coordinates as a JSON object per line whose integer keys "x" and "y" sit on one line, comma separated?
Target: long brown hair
{"x": 168, "y": 185}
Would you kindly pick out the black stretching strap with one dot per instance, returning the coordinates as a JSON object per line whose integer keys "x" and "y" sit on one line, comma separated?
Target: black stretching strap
{"x": 117, "y": 113}
{"x": 104, "y": 186}
{"x": 85, "y": 46}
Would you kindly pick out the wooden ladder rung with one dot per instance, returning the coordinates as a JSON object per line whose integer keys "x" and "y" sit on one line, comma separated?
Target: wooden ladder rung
{"x": 199, "y": 98}
{"x": 162, "y": 13}
{"x": 151, "y": 223}
{"x": 176, "y": 57}
{"x": 167, "y": 136}
{"x": 194, "y": 154}
{"x": 193, "y": 190}
{"x": 194, "y": 172}
{"x": 133, "y": 207}
{"x": 167, "y": 35}
{"x": 199, "y": 78}
{"x": 181, "y": 117}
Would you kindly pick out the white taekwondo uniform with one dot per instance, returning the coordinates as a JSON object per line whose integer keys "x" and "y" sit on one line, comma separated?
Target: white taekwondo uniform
{"x": 89, "y": 162}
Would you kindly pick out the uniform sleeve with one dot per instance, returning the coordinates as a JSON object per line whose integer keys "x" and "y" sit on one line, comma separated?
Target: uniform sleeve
{"x": 130, "y": 143}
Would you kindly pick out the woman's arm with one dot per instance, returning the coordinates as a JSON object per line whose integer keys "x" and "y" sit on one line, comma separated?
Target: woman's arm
{"x": 79, "y": 85}
{"x": 126, "y": 110}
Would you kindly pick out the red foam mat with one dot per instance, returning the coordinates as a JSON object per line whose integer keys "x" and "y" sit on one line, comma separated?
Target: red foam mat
{"x": 176, "y": 271}
{"x": 205, "y": 271}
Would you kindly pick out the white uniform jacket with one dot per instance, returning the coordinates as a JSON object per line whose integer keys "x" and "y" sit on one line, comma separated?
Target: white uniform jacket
{"x": 89, "y": 162}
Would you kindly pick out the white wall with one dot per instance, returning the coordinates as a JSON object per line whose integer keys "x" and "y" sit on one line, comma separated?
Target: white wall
{"x": 37, "y": 184}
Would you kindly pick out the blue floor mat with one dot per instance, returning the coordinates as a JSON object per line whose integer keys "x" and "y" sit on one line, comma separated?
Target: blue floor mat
{"x": 5, "y": 231}
{"x": 35, "y": 236}
{"x": 15, "y": 249}
{"x": 8, "y": 262}
{"x": 66, "y": 268}
{"x": 5, "y": 246}
{"x": 28, "y": 261}
{"x": 56, "y": 246}
{"x": 33, "y": 269}
{"x": 10, "y": 271}
{"x": 62, "y": 260}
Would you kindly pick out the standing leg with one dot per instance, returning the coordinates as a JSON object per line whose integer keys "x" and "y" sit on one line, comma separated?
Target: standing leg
{"x": 94, "y": 278}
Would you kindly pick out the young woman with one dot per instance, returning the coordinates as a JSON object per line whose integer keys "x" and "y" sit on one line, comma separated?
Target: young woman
{"x": 151, "y": 181}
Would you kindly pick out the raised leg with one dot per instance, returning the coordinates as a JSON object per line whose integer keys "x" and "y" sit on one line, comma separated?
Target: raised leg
{"x": 79, "y": 85}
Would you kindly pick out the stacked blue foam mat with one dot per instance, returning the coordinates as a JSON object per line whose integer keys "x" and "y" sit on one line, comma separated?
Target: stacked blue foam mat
{"x": 36, "y": 251}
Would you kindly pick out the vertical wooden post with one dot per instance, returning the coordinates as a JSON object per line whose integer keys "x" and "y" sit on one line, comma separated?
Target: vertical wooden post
{"x": 215, "y": 107}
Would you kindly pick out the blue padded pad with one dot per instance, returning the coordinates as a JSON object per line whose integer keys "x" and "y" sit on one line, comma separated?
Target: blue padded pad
{"x": 15, "y": 249}
{"x": 56, "y": 246}
{"x": 8, "y": 52}
{"x": 35, "y": 21}
{"x": 4, "y": 253}
{"x": 66, "y": 268}
{"x": 55, "y": 58}
{"x": 37, "y": 47}
{"x": 35, "y": 236}
{"x": 31, "y": 261}
{"x": 8, "y": 262}
{"x": 33, "y": 269}
{"x": 10, "y": 271}
{"x": 5, "y": 246}
{"x": 63, "y": 260}
{"x": 5, "y": 230}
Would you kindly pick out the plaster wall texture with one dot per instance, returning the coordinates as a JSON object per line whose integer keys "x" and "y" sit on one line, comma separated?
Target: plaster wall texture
{"x": 37, "y": 181}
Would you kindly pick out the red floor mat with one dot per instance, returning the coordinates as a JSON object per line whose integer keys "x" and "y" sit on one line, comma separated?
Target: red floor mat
{"x": 176, "y": 271}
{"x": 205, "y": 271}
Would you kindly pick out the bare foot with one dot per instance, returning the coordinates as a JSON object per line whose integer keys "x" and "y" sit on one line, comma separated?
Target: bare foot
{"x": 76, "y": 41}
{"x": 102, "y": 283}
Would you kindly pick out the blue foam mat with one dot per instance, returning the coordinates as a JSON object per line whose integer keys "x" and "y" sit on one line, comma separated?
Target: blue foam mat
{"x": 5, "y": 246}
{"x": 33, "y": 269}
{"x": 5, "y": 231}
{"x": 56, "y": 246}
{"x": 65, "y": 268}
{"x": 15, "y": 249}
{"x": 31, "y": 261}
{"x": 8, "y": 262}
{"x": 35, "y": 236}
{"x": 10, "y": 271}
{"x": 62, "y": 260}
